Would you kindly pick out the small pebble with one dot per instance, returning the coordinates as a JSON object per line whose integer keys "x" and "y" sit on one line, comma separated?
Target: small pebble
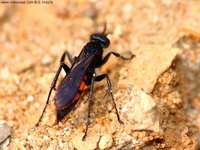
{"x": 105, "y": 142}
{"x": 30, "y": 98}
{"x": 90, "y": 142}
{"x": 47, "y": 60}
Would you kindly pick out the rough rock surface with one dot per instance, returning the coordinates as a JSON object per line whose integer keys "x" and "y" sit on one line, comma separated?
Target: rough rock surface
{"x": 140, "y": 111}
{"x": 90, "y": 143}
{"x": 150, "y": 62}
{"x": 105, "y": 142}
{"x": 5, "y": 132}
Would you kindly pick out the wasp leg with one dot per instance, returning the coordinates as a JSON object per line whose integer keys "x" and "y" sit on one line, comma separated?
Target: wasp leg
{"x": 105, "y": 59}
{"x": 89, "y": 102}
{"x": 62, "y": 65}
{"x": 69, "y": 56}
{"x": 53, "y": 85}
{"x": 101, "y": 77}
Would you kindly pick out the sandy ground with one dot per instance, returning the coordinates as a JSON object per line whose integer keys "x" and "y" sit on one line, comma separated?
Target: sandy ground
{"x": 157, "y": 92}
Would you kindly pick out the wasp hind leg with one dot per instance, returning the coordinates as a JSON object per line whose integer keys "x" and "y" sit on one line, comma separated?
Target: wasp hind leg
{"x": 89, "y": 103}
{"x": 101, "y": 77}
{"x": 53, "y": 85}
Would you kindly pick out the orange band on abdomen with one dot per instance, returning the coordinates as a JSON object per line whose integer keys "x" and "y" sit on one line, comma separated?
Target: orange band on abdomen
{"x": 82, "y": 86}
{"x": 77, "y": 96}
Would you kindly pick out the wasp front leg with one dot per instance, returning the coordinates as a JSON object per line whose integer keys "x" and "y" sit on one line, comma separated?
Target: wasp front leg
{"x": 105, "y": 59}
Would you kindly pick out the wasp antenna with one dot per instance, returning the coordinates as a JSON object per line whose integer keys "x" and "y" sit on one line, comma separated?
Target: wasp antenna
{"x": 108, "y": 33}
{"x": 104, "y": 29}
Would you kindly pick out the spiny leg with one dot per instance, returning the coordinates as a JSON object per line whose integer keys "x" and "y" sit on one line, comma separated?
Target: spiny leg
{"x": 89, "y": 102}
{"x": 105, "y": 59}
{"x": 53, "y": 85}
{"x": 101, "y": 77}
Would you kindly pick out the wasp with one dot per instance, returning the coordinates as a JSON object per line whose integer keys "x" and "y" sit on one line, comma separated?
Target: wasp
{"x": 81, "y": 74}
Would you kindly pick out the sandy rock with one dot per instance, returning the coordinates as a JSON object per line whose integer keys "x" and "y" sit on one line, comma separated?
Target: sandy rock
{"x": 181, "y": 139}
{"x": 2, "y": 12}
{"x": 150, "y": 62}
{"x": 105, "y": 142}
{"x": 5, "y": 144}
{"x": 90, "y": 142}
{"x": 140, "y": 112}
{"x": 5, "y": 132}
{"x": 5, "y": 10}
{"x": 191, "y": 27}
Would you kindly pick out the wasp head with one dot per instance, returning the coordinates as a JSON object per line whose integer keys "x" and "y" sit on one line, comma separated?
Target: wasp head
{"x": 101, "y": 38}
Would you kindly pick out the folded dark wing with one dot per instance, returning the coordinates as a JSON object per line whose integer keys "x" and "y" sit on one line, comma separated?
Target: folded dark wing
{"x": 69, "y": 86}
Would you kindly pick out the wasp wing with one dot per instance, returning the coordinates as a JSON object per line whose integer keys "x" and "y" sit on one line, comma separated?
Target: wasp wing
{"x": 61, "y": 113}
{"x": 69, "y": 86}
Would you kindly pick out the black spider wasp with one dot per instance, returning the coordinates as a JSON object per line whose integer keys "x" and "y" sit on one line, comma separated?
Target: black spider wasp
{"x": 81, "y": 73}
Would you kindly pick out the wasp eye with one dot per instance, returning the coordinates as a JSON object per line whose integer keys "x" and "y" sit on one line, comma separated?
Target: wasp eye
{"x": 100, "y": 38}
